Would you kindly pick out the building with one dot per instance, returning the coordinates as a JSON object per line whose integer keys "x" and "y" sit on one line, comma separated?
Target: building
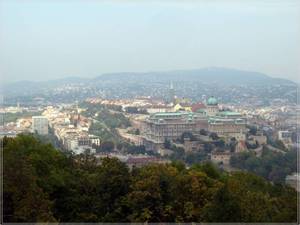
{"x": 221, "y": 158}
{"x": 198, "y": 106}
{"x": 293, "y": 181}
{"x": 159, "y": 108}
{"x": 285, "y": 137}
{"x": 40, "y": 125}
{"x": 192, "y": 146}
{"x": 183, "y": 107}
{"x": 94, "y": 140}
{"x": 212, "y": 107}
{"x": 76, "y": 141}
{"x": 172, "y": 125}
{"x": 228, "y": 124}
{"x": 260, "y": 139}
{"x": 84, "y": 149}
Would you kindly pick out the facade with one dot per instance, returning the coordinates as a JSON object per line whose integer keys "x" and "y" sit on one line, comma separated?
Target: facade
{"x": 183, "y": 107}
{"x": 71, "y": 143}
{"x": 192, "y": 146}
{"x": 159, "y": 108}
{"x": 40, "y": 125}
{"x": 75, "y": 142}
{"x": 161, "y": 126}
{"x": 221, "y": 157}
{"x": 84, "y": 149}
{"x": 293, "y": 181}
{"x": 285, "y": 137}
{"x": 228, "y": 124}
{"x": 94, "y": 140}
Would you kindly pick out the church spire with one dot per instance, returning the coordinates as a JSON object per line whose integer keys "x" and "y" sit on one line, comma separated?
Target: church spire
{"x": 171, "y": 96}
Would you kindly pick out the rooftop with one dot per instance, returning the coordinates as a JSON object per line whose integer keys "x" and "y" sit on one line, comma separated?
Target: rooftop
{"x": 166, "y": 114}
{"x": 229, "y": 113}
{"x": 212, "y": 101}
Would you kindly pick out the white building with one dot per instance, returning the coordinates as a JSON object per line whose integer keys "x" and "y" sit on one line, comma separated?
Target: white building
{"x": 40, "y": 125}
{"x": 293, "y": 181}
{"x": 285, "y": 137}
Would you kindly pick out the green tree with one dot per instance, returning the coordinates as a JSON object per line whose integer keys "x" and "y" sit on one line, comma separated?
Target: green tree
{"x": 25, "y": 198}
{"x": 107, "y": 146}
{"x": 137, "y": 132}
{"x": 167, "y": 143}
{"x": 42, "y": 184}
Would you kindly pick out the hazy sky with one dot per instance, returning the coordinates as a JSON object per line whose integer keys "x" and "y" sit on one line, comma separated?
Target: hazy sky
{"x": 42, "y": 40}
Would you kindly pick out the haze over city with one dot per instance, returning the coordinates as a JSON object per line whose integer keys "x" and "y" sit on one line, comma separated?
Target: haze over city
{"x": 44, "y": 40}
{"x": 147, "y": 111}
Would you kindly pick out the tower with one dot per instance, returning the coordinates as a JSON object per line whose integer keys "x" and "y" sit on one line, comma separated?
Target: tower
{"x": 171, "y": 93}
{"x": 212, "y": 107}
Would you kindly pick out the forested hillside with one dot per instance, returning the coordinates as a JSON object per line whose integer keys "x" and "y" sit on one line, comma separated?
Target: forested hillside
{"x": 42, "y": 184}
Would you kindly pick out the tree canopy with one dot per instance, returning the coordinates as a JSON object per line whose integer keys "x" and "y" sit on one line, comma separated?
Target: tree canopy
{"x": 41, "y": 184}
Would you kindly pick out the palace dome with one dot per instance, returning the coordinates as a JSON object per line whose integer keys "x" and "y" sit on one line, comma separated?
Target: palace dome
{"x": 212, "y": 101}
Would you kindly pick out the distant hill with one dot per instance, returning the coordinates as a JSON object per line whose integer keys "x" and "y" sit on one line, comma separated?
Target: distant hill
{"x": 226, "y": 84}
{"x": 206, "y": 75}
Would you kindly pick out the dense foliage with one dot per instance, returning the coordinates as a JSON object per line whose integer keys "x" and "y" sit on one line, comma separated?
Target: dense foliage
{"x": 108, "y": 114}
{"x": 100, "y": 130}
{"x": 274, "y": 166}
{"x": 42, "y": 184}
{"x": 106, "y": 118}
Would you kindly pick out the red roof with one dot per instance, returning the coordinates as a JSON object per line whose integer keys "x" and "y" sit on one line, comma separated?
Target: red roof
{"x": 198, "y": 106}
{"x": 243, "y": 144}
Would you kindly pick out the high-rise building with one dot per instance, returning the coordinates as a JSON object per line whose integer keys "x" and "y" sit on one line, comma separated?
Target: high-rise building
{"x": 40, "y": 125}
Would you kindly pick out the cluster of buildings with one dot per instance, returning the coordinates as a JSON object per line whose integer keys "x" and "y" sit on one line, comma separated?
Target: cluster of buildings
{"x": 70, "y": 128}
{"x": 171, "y": 125}
{"x": 146, "y": 103}
{"x": 17, "y": 119}
{"x": 169, "y": 120}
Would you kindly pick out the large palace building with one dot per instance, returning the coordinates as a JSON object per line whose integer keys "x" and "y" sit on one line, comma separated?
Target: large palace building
{"x": 171, "y": 125}
{"x": 228, "y": 124}
{"x": 212, "y": 107}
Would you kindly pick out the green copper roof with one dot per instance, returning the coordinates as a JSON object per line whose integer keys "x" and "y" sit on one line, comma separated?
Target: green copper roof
{"x": 228, "y": 113}
{"x": 212, "y": 101}
{"x": 201, "y": 111}
{"x": 162, "y": 114}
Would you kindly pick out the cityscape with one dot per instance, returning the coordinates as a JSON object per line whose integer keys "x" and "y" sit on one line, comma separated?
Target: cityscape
{"x": 147, "y": 129}
{"x": 151, "y": 112}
